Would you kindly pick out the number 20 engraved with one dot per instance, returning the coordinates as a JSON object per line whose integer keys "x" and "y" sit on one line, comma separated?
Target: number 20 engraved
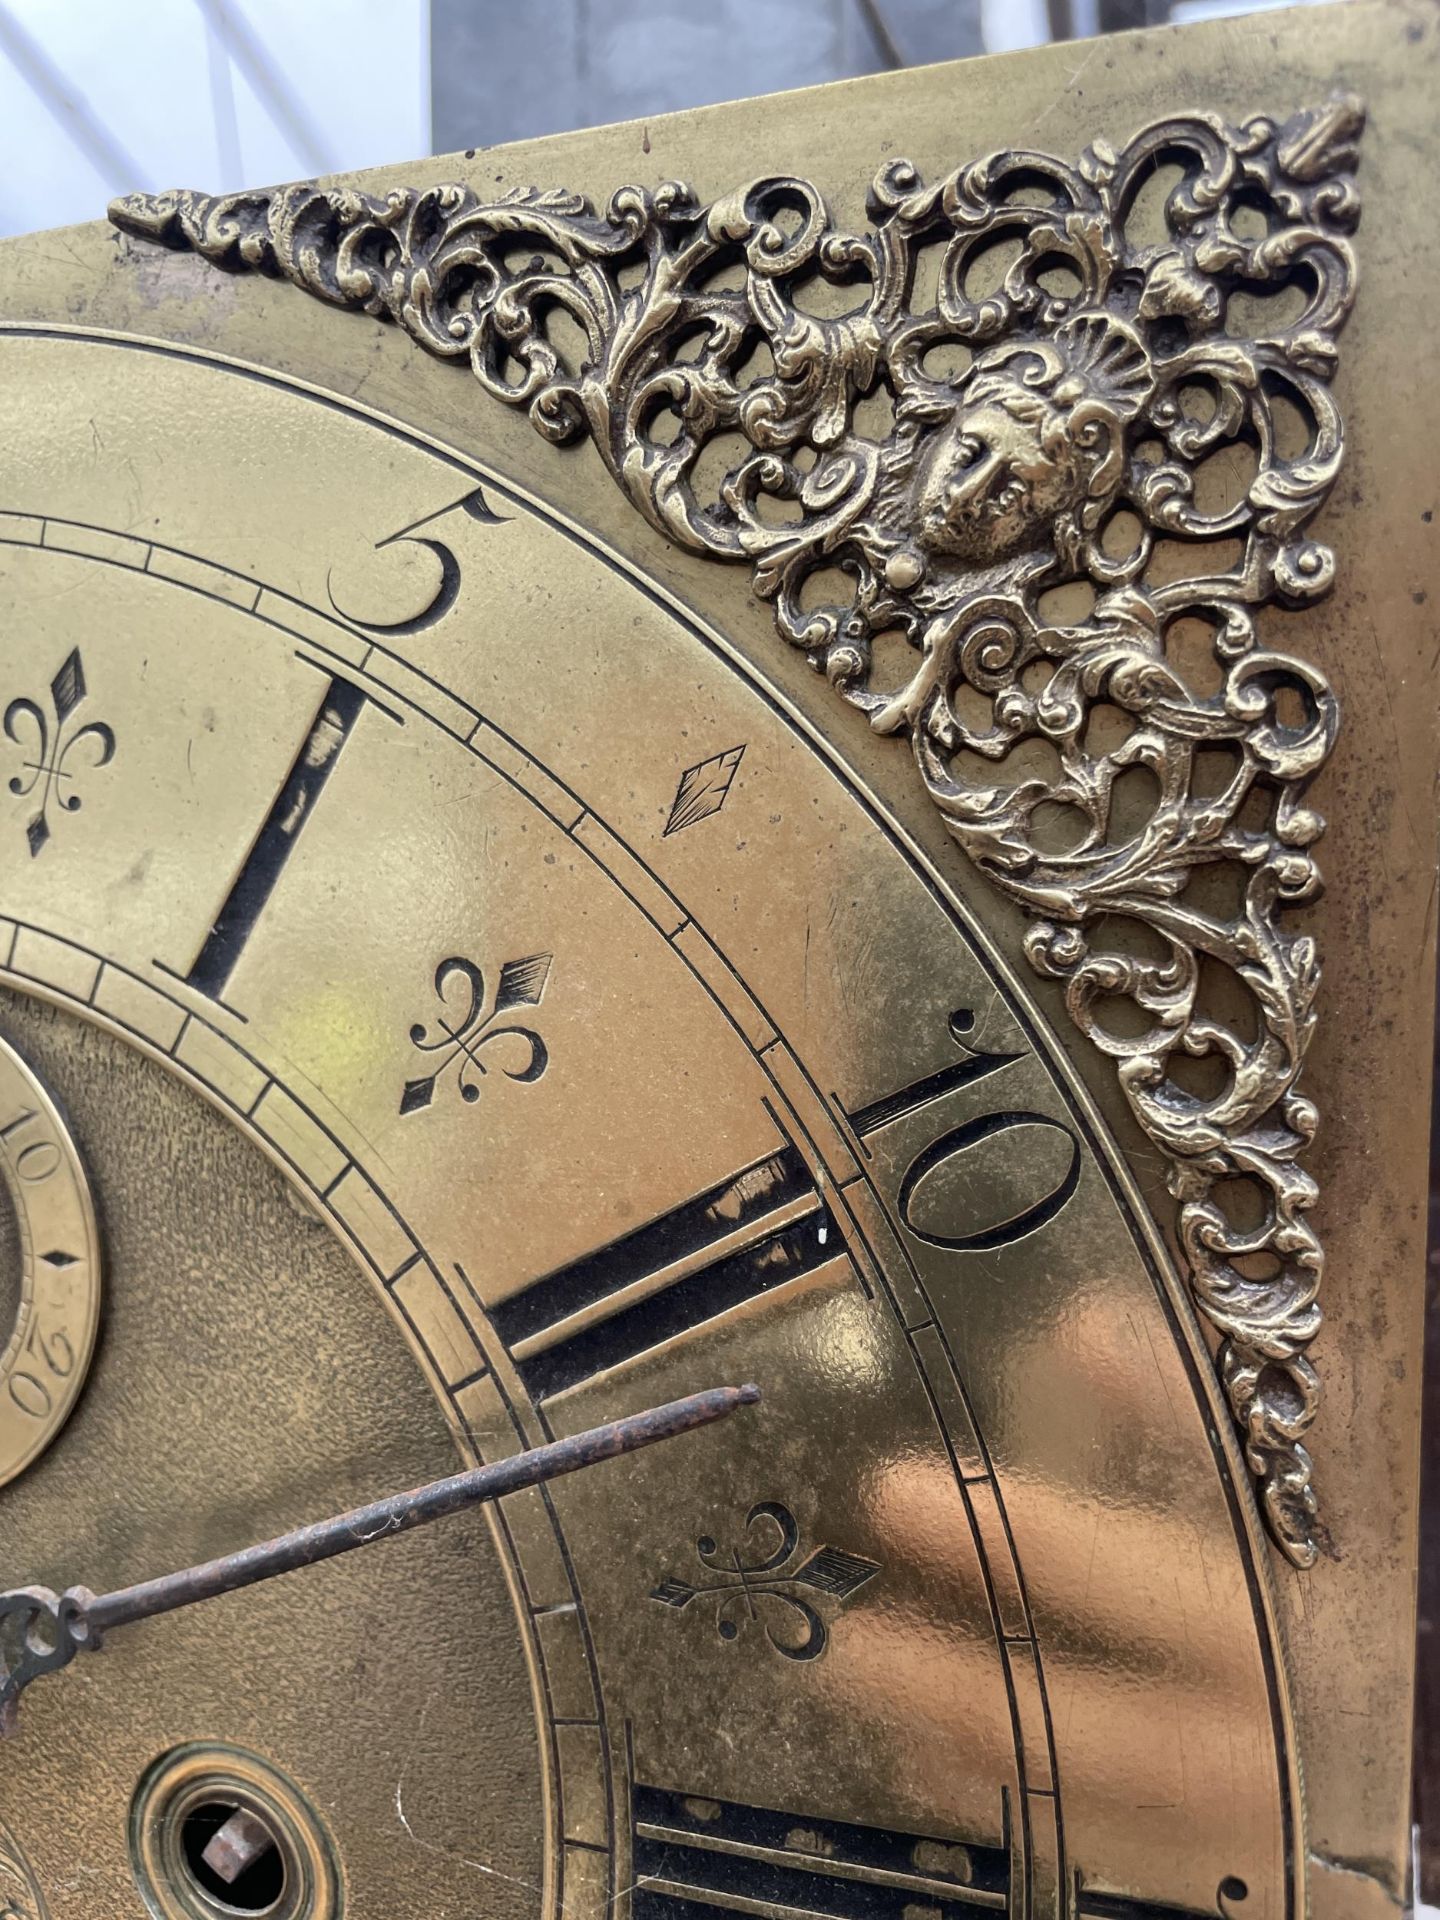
{"x": 50, "y": 1355}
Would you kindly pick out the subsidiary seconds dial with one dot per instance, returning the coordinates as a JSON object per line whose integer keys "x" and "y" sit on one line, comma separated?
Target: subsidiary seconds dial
{"x": 56, "y": 1258}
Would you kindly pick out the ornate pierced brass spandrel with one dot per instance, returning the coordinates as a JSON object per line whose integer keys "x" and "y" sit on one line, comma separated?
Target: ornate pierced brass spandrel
{"x": 1052, "y": 433}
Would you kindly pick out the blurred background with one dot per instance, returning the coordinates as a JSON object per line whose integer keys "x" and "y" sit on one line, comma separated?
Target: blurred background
{"x": 99, "y": 97}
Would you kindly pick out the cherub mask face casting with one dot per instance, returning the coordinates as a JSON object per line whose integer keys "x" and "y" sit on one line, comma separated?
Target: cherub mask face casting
{"x": 1029, "y": 457}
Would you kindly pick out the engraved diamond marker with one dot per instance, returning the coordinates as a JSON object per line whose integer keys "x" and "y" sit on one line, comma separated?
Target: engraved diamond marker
{"x": 703, "y": 790}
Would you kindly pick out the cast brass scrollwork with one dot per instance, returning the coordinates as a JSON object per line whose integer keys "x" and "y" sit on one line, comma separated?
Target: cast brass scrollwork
{"x": 933, "y": 466}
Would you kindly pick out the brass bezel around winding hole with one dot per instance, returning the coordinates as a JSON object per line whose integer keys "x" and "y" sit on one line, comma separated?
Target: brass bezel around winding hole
{"x": 185, "y": 1779}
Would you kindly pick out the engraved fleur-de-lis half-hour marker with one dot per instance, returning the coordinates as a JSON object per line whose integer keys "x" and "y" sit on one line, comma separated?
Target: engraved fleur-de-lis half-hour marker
{"x": 765, "y": 1589}
{"x": 52, "y": 762}
{"x": 466, "y": 1028}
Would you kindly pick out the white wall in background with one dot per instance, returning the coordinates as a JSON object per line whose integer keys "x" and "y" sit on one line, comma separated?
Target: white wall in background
{"x": 99, "y": 96}
{"x": 1012, "y": 24}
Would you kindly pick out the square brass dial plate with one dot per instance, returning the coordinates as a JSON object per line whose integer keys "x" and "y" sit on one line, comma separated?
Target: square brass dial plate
{"x": 711, "y": 742}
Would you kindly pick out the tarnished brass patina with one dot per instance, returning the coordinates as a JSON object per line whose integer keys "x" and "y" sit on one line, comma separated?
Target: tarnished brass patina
{"x": 496, "y": 986}
{"x": 1066, "y": 447}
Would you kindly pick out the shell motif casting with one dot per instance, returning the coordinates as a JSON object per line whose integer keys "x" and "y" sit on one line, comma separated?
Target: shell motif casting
{"x": 1016, "y": 380}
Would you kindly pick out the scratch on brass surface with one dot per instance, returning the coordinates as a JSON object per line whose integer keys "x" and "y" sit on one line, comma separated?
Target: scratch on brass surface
{"x": 431, "y": 1846}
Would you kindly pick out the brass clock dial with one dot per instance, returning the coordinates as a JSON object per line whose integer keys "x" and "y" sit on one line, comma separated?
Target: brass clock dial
{"x": 575, "y": 1018}
{"x": 489, "y": 984}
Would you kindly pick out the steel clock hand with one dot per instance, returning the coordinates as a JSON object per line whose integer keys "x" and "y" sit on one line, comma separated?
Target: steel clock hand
{"x": 44, "y": 1631}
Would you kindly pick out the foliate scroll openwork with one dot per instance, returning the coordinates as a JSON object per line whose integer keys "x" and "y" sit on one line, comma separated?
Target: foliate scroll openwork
{"x": 906, "y": 455}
